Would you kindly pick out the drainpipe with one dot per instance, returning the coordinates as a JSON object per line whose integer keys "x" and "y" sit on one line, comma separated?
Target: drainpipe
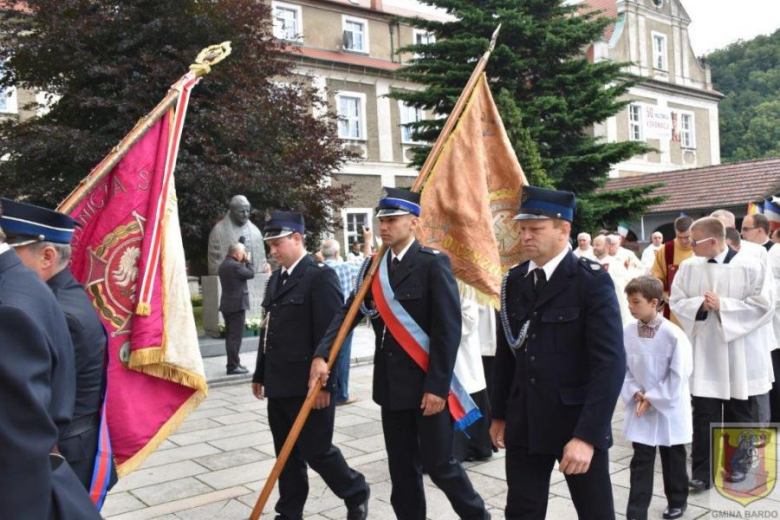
{"x": 391, "y": 26}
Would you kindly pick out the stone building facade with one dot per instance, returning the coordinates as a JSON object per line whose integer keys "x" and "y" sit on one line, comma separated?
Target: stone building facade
{"x": 675, "y": 108}
{"x": 349, "y": 49}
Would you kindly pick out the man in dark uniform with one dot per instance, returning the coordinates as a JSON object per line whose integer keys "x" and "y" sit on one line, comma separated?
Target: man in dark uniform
{"x": 37, "y": 395}
{"x": 234, "y": 271}
{"x": 560, "y": 365}
{"x": 416, "y": 420}
{"x": 300, "y": 301}
{"x": 44, "y": 246}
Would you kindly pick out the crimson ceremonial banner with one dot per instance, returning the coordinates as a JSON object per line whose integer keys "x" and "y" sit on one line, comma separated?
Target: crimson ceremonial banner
{"x": 470, "y": 197}
{"x": 128, "y": 254}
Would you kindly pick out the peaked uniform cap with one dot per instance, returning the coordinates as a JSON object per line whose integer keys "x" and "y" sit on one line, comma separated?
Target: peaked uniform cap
{"x": 542, "y": 203}
{"x": 27, "y": 223}
{"x": 396, "y": 201}
{"x": 282, "y": 224}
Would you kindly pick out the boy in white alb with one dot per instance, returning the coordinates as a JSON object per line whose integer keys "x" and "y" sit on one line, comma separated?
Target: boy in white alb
{"x": 659, "y": 362}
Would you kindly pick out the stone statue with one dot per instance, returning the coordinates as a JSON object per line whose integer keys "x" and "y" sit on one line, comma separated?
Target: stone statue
{"x": 236, "y": 227}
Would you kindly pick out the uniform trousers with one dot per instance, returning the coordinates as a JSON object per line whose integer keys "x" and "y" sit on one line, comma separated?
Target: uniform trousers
{"x": 315, "y": 448}
{"x": 415, "y": 442}
{"x": 528, "y": 480}
{"x": 774, "y": 394}
{"x": 710, "y": 411}
{"x": 80, "y": 451}
{"x": 234, "y": 334}
{"x": 675, "y": 474}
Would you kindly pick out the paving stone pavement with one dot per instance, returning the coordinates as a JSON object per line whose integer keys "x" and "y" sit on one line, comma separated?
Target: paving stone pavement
{"x": 214, "y": 466}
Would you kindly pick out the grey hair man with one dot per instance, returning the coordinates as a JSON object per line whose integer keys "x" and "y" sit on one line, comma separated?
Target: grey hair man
{"x": 584, "y": 248}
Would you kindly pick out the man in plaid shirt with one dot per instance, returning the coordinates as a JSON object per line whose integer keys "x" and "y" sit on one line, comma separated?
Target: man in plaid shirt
{"x": 347, "y": 272}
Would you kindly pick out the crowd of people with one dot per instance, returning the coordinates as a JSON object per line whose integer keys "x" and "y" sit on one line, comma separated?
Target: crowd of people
{"x": 719, "y": 289}
{"x": 685, "y": 338}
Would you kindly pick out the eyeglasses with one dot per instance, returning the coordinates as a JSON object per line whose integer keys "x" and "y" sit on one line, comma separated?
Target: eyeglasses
{"x": 747, "y": 228}
{"x": 695, "y": 243}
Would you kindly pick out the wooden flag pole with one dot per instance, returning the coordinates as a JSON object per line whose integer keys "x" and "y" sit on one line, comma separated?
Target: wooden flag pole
{"x": 430, "y": 161}
{"x": 206, "y": 59}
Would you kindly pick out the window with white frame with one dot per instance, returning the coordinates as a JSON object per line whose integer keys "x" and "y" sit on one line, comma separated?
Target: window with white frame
{"x": 409, "y": 114}
{"x": 287, "y": 21}
{"x": 8, "y": 103}
{"x": 355, "y": 219}
{"x": 355, "y": 34}
{"x": 422, "y": 37}
{"x": 687, "y": 133}
{"x": 660, "y": 52}
{"x": 351, "y": 111}
{"x": 635, "y": 123}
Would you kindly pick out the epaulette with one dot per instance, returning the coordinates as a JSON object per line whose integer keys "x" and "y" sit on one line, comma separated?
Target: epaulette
{"x": 591, "y": 266}
{"x": 429, "y": 250}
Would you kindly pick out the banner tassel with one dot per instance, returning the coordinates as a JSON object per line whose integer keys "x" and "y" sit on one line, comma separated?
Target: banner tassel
{"x": 144, "y": 309}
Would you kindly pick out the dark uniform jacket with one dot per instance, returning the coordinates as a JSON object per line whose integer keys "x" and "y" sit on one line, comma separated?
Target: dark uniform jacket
{"x": 425, "y": 286}
{"x": 567, "y": 379}
{"x": 232, "y": 277}
{"x": 298, "y": 314}
{"x": 37, "y": 390}
{"x": 79, "y": 444}
{"x": 89, "y": 341}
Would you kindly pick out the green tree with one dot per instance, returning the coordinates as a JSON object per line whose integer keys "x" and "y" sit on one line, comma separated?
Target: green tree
{"x": 110, "y": 62}
{"x": 748, "y": 74}
{"x": 550, "y": 95}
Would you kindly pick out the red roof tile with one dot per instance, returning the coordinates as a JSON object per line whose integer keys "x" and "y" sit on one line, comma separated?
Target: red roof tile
{"x": 342, "y": 57}
{"x": 390, "y": 8}
{"x": 722, "y": 186}
{"x": 609, "y": 8}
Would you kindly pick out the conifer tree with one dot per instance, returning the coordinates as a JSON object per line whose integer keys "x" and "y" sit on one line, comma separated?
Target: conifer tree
{"x": 550, "y": 94}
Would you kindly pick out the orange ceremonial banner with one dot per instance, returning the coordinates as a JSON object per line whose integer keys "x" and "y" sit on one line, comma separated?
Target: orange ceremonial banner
{"x": 471, "y": 195}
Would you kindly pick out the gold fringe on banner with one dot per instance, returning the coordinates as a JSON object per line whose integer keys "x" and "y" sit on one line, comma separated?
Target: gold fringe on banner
{"x": 474, "y": 294}
{"x": 169, "y": 427}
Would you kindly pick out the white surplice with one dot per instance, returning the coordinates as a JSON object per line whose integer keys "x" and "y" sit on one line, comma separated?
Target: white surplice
{"x": 588, "y": 253}
{"x": 773, "y": 259}
{"x": 468, "y": 363}
{"x": 731, "y": 347}
{"x": 623, "y": 268}
{"x": 754, "y": 250}
{"x": 658, "y": 367}
{"x": 648, "y": 255}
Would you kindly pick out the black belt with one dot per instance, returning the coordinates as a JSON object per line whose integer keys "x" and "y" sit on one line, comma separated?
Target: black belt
{"x": 81, "y": 425}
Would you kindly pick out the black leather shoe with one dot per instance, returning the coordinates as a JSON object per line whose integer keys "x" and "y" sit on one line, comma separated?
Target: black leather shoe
{"x": 237, "y": 371}
{"x": 358, "y": 512}
{"x": 675, "y": 512}
{"x": 736, "y": 477}
{"x": 698, "y": 485}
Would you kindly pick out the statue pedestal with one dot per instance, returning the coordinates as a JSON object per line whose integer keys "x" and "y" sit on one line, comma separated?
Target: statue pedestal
{"x": 212, "y": 290}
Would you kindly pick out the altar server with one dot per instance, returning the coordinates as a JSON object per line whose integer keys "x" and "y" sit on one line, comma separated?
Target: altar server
{"x": 723, "y": 300}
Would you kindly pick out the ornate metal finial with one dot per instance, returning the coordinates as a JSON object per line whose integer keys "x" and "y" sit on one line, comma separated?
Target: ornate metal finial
{"x": 494, "y": 38}
{"x": 209, "y": 57}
